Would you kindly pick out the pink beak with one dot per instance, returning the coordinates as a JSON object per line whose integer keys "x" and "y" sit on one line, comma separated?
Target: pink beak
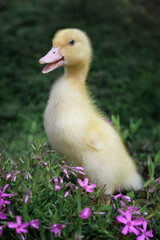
{"x": 53, "y": 59}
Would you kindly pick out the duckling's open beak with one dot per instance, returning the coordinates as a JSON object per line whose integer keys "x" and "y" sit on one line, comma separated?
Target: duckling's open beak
{"x": 53, "y": 59}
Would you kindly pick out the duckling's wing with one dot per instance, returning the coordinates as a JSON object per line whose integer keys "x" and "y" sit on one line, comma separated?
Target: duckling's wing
{"x": 95, "y": 141}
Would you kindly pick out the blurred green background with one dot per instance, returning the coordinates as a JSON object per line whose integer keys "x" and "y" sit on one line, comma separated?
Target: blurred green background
{"x": 124, "y": 76}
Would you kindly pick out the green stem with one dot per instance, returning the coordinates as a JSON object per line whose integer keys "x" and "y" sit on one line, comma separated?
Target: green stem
{"x": 79, "y": 200}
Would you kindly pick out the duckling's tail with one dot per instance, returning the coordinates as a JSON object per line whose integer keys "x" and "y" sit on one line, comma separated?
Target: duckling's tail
{"x": 135, "y": 182}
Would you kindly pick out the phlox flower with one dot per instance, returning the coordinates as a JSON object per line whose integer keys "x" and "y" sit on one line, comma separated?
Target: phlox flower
{"x": 66, "y": 194}
{"x": 2, "y": 201}
{"x": 56, "y": 229}
{"x": 129, "y": 223}
{"x": 35, "y": 223}
{"x": 88, "y": 188}
{"x": 159, "y": 180}
{"x": 78, "y": 170}
{"x": 85, "y": 213}
{"x": 28, "y": 175}
{"x": 2, "y": 215}
{"x": 28, "y": 194}
{"x": 1, "y": 230}
{"x": 66, "y": 173}
{"x": 57, "y": 187}
{"x": 132, "y": 209}
{"x": 20, "y": 227}
{"x": 151, "y": 189}
{"x": 9, "y": 176}
{"x": 145, "y": 234}
{"x": 120, "y": 195}
{"x": 73, "y": 187}
{"x": 2, "y": 194}
{"x": 73, "y": 170}
{"x": 15, "y": 175}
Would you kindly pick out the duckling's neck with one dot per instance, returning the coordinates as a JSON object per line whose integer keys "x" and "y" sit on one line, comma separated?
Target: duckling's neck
{"x": 79, "y": 72}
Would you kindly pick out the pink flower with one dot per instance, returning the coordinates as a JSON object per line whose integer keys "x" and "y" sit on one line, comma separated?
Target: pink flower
{"x": 88, "y": 188}
{"x": 2, "y": 201}
{"x": 8, "y": 176}
{"x": 2, "y": 215}
{"x": 26, "y": 198}
{"x": 129, "y": 223}
{"x": 151, "y": 189}
{"x": 85, "y": 213}
{"x": 78, "y": 170}
{"x": 72, "y": 170}
{"x": 159, "y": 180}
{"x": 20, "y": 227}
{"x": 28, "y": 175}
{"x": 56, "y": 229}
{"x": 66, "y": 194}
{"x": 132, "y": 209}
{"x": 1, "y": 230}
{"x": 66, "y": 173}
{"x": 28, "y": 194}
{"x": 120, "y": 195}
{"x": 145, "y": 234}
{"x": 35, "y": 223}
{"x": 2, "y": 194}
{"x": 57, "y": 187}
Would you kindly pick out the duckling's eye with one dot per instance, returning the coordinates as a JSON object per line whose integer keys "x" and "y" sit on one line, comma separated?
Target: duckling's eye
{"x": 71, "y": 42}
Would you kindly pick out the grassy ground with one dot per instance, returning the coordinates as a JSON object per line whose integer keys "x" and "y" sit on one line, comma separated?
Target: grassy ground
{"x": 124, "y": 76}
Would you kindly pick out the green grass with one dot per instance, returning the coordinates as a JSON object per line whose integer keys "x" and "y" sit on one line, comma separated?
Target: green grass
{"x": 124, "y": 78}
{"x": 50, "y": 206}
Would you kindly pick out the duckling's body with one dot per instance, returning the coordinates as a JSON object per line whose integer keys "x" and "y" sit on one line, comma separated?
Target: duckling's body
{"x": 76, "y": 128}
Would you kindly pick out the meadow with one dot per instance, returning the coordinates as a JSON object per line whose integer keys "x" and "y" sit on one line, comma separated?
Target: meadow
{"x": 124, "y": 79}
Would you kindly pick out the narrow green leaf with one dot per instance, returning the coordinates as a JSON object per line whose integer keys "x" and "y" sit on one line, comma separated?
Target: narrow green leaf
{"x": 151, "y": 167}
{"x": 157, "y": 159}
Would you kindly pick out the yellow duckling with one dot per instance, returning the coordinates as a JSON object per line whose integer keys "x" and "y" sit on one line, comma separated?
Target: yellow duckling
{"x": 73, "y": 124}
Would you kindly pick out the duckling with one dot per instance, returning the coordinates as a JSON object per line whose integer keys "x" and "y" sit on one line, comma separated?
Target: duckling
{"x": 75, "y": 127}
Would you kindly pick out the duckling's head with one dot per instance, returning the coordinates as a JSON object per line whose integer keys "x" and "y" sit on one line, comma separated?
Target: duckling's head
{"x": 71, "y": 49}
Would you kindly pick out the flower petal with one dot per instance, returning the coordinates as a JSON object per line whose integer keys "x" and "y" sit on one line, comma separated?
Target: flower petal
{"x": 2, "y": 215}
{"x": 12, "y": 225}
{"x": 137, "y": 221}
{"x": 57, "y": 188}
{"x": 121, "y": 219}
{"x": 117, "y": 196}
{"x": 5, "y": 187}
{"x": 91, "y": 186}
{"x": 86, "y": 180}
{"x": 35, "y": 223}
{"x": 79, "y": 168}
{"x": 24, "y": 225}
{"x": 18, "y": 218}
{"x": 80, "y": 182}
{"x": 149, "y": 233}
{"x": 122, "y": 204}
{"x": 145, "y": 225}
{"x": 22, "y": 237}
{"x": 128, "y": 215}
{"x": 134, "y": 230}
{"x": 141, "y": 237}
{"x": 1, "y": 230}
{"x": 23, "y": 230}
{"x": 126, "y": 198}
{"x": 80, "y": 172}
{"x": 125, "y": 230}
